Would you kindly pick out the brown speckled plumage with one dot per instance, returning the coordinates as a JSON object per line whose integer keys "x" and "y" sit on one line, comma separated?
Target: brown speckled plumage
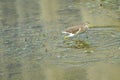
{"x": 74, "y": 30}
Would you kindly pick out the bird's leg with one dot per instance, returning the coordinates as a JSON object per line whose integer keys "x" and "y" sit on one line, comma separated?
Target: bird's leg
{"x": 86, "y": 34}
{"x": 78, "y": 36}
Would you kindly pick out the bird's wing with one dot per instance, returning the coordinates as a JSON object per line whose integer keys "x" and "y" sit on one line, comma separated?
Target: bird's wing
{"x": 73, "y": 29}
{"x": 78, "y": 31}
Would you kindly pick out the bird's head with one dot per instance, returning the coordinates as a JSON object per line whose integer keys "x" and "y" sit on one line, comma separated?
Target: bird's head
{"x": 87, "y": 23}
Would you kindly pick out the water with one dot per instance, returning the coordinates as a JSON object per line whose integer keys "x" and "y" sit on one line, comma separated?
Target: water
{"x": 32, "y": 46}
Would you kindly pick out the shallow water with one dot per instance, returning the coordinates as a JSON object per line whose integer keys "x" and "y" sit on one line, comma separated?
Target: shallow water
{"x": 32, "y": 46}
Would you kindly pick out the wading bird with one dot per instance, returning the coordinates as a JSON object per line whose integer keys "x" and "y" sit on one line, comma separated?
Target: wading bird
{"x": 75, "y": 30}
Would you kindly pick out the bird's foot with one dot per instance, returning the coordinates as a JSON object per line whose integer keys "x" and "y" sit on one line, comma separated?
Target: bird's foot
{"x": 66, "y": 37}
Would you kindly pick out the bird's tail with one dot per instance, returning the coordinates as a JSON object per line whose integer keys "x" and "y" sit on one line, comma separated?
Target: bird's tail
{"x": 65, "y": 32}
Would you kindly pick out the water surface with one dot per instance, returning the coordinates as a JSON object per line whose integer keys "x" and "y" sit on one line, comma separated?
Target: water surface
{"x": 32, "y": 46}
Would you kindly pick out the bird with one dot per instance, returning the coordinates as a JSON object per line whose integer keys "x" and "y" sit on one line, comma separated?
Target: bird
{"x": 75, "y": 30}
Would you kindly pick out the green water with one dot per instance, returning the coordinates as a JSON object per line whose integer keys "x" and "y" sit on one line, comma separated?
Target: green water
{"x": 32, "y": 46}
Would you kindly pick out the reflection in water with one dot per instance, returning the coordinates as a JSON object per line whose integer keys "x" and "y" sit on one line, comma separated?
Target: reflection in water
{"x": 30, "y": 40}
{"x": 48, "y": 13}
{"x": 77, "y": 44}
{"x": 28, "y": 14}
{"x": 64, "y": 73}
{"x": 102, "y": 71}
{"x": 8, "y": 13}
